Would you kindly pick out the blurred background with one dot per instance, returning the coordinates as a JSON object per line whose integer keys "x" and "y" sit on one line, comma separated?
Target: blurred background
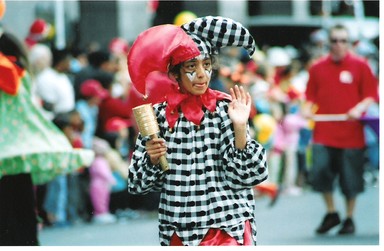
{"x": 289, "y": 35}
{"x": 276, "y": 23}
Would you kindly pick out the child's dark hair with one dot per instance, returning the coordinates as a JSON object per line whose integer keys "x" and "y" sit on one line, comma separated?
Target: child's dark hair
{"x": 62, "y": 120}
{"x": 97, "y": 58}
{"x": 59, "y": 55}
{"x": 105, "y": 78}
{"x": 10, "y": 45}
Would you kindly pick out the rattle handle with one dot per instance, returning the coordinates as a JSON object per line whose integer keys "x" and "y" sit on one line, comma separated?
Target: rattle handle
{"x": 163, "y": 160}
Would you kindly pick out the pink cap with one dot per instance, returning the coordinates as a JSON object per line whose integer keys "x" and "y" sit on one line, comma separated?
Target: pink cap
{"x": 115, "y": 124}
{"x": 93, "y": 88}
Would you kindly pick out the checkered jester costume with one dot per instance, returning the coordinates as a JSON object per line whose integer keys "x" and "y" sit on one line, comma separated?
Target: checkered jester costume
{"x": 209, "y": 184}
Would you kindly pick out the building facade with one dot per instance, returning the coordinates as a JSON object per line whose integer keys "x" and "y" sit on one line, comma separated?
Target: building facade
{"x": 78, "y": 23}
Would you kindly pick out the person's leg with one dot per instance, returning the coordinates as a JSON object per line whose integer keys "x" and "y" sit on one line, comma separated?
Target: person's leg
{"x": 73, "y": 197}
{"x": 302, "y": 168}
{"x": 348, "y": 226}
{"x": 40, "y": 191}
{"x": 321, "y": 177}
{"x": 350, "y": 205}
{"x": 329, "y": 202}
{"x": 62, "y": 200}
{"x": 100, "y": 195}
{"x": 274, "y": 167}
{"x": 304, "y": 143}
{"x": 291, "y": 172}
{"x": 351, "y": 183}
{"x": 50, "y": 201}
{"x": 18, "y": 219}
{"x": 97, "y": 197}
{"x": 85, "y": 207}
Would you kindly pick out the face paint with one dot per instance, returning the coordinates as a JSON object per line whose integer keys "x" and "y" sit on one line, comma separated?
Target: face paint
{"x": 190, "y": 67}
{"x": 208, "y": 73}
{"x": 195, "y": 75}
{"x": 191, "y": 75}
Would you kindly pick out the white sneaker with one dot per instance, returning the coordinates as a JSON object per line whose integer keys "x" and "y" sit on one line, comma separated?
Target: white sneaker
{"x": 106, "y": 218}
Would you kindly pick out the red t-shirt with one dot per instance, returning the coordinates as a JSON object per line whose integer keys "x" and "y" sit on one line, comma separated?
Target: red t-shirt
{"x": 335, "y": 88}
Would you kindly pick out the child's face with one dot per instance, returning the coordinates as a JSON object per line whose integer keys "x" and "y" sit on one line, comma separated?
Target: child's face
{"x": 95, "y": 101}
{"x": 123, "y": 133}
{"x": 195, "y": 75}
{"x": 76, "y": 121}
{"x": 69, "y": 133}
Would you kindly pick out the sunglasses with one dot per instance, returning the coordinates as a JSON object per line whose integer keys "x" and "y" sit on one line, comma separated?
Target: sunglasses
{"x": 334, "y": 41}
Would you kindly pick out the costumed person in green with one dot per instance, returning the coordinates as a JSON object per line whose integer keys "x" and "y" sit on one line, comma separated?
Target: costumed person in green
{"x": 32, "y": 149}
{"x": 206, "y": 195}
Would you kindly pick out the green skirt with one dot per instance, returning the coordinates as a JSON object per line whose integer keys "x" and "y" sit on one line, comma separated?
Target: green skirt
{"x": 30, "y": 143}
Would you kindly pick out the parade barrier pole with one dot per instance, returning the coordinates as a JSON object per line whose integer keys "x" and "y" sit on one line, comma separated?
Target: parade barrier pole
{"x": 372, "y": 122}
{"x": 329, "y": 117}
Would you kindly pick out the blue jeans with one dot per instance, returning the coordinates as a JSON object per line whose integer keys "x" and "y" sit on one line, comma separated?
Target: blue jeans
{"x": 56, "y": 198}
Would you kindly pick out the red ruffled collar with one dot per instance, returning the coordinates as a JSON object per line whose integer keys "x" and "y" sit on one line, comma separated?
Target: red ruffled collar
{"x": 191, "y": 105}
{"x": 10, "y": 74}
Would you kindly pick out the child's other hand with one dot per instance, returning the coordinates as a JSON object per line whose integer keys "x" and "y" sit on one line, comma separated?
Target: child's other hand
{"x": 240, "y": 107}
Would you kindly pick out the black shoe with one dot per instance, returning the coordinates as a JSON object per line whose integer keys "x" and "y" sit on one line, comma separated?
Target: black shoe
{"x": 330, "y": 220}
{"x": 348, "y": 227}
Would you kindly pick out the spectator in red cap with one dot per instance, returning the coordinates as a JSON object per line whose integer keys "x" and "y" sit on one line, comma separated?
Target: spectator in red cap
{"x": 92, "y": 88}
{"x": 110, "y": 106}
{"x": 117, "y": 134}
{"x": 93, "y": 93}
{"x": 99, "y": 62}
{"x": 38, "y": 32}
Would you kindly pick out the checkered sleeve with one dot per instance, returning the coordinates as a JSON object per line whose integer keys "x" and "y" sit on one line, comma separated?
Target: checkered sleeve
{"x": 243, "y": 168}
{"x": 143, "y": 176}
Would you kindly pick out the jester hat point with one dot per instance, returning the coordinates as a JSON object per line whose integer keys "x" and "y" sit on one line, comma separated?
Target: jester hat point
{"x": 212, "y": 33}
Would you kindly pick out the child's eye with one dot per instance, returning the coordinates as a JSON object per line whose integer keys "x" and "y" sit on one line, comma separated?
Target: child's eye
{"x": 190, "y": 66}
{"x": 207, "y": 64}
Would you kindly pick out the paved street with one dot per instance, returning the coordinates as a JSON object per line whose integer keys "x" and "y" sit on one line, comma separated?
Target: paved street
{"x": 291, "y": 221}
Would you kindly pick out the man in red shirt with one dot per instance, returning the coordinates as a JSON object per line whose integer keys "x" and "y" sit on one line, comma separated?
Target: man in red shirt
{"x": 339, "y": 83}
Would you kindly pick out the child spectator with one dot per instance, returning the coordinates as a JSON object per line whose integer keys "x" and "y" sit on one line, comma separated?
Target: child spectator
{"x": 101, "y": 181}
{"x": 117, "y": 132}
{"x": 56, "y": 197}
{"x": 93, "y": 93}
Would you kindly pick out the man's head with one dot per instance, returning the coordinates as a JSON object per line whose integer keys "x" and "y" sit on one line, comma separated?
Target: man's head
{"x": 61, "y": 59}
{"x": 338, "y": 41}
{"x": 102, "y": 60}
